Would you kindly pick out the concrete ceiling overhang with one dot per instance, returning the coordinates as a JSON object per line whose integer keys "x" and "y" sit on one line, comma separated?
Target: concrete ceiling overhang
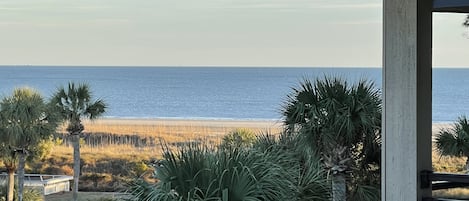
{"x": 451, "y": 6}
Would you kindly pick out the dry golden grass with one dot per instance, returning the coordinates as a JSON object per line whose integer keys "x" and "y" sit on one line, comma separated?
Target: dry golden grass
{"x": 112, "y": 151}
{"x": 448, "y": 163}
{"x": 456, "y": 193}
{"x": 180, "y": 131}
{"x": 176, "y": 130}
{"x": 114, "y": 157}
{"x": 186, "y": 131}
{"x": 168, "y": 132}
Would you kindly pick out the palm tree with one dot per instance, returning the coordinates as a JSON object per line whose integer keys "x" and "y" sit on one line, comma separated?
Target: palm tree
{"x": 339, "y": 121}
{"x": 455, "y": 141}
{"x": 26, "y": 120}
{"x": 10, "y": 160}
{"x": 75, "y": 103}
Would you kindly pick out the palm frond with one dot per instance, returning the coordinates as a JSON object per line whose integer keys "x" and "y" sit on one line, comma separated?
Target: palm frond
{"x": 312, "y": 182}
{"x": 24, "y": 116}
{"x": 75, "y": 102}
{"x": 454, "y": 141}
{"x": 449, "y": 144}
{"x": 366, "y": 193}
{"x": 330, "y": 113}
{"x": 143, "y": 191}
{"x": 95, "y": 109}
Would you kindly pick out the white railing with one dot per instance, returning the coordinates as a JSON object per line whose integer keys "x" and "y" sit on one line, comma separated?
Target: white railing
{"x": 48, "y": 184}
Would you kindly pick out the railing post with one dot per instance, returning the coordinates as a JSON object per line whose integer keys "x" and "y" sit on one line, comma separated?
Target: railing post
{"x": 428, "y": 199}
{"x": 425, "y": 179}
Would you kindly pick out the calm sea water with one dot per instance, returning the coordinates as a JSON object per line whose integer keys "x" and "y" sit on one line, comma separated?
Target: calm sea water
{"x": 214, "y": 93}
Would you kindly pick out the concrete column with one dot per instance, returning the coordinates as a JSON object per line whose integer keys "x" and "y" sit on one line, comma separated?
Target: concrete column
{"x": 407, "y": 81}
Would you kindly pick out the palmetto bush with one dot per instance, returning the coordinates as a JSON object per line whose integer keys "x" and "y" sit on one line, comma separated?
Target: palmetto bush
{"x": 341, "y": 122}
{"x": 29, "y": 194}
{"x": 239, "y": 138}
{"x": 455, "y": 140}
{"x": 303, "y": 167}
{"x": 232, "y": 174}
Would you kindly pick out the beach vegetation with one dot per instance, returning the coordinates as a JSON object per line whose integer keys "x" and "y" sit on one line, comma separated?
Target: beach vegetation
{"x": 26, "y": 122}
{"x": 74, "y": 103}
{"x": 454, "y": 141}
{"x": 238, "y": 138}
{"x": 310, "y": 181}
{"x": 272, "y": 171}
{"x": 29, "y": 194}
{"x": 115, "y": 159}
{"x": 341, "y": 122}
{"x": 10, "y": 161}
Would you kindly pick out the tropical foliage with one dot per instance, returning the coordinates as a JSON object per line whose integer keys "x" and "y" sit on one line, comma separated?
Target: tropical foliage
{"x": 455, "y": 141}
{"x": 10, "y": 160}
{"x": 25, "y": 121}
{"x": 331, "y": 144}
{"x": 29, "y": 194}
{"x": 74, "y": 103}
{"x": 271, "y": 172}
{"x": 340, "y": 122}
{"x": 241, "y": 137}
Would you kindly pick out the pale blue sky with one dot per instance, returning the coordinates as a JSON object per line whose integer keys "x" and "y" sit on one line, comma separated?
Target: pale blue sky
{"x": 208, "y": 33}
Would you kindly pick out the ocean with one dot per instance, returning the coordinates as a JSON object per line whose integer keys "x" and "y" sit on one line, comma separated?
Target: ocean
{"x": 213, "y": 92}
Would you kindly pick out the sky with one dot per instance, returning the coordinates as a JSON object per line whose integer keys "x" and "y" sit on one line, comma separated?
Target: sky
{"x": 309, "y": 33}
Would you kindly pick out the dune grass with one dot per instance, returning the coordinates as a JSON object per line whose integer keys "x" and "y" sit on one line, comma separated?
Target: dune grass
{"x": 210, "y": 135}
{"x": 111, "y": 151}
{"x": 450, "y": 165}
{"x": 172, "y": 132}
{"x": 455, "y": 193}
{"x": 172, "y": 135}
{"x": 109, "y": 166}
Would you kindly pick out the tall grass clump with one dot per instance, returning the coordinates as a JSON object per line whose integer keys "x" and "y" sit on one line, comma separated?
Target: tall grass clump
{"x": 303, "y": 167}
{"x": 196, "y": 172}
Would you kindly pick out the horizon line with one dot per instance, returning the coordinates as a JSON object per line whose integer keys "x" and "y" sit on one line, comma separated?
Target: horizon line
{"x": 210, "y": 66}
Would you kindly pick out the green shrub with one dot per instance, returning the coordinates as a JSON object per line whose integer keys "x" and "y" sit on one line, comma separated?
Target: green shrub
{"x": 41, "y": 151}
{"x": 199, "y": 173}
{"x": 140, "y": 168}
{"x": 302, "y": 166}
{"x": 237, "y": 138}
{"x": 29, "y": 194}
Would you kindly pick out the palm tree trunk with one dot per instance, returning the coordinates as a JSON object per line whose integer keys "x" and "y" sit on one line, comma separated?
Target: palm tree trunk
{"x": 338, "y": 188}
{"x": 11, "y": 184}
{"x": 22, "y": 161}
{"x": 76, "y": 164}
